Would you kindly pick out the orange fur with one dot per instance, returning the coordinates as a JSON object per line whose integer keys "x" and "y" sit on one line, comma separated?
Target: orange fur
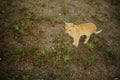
{"x": 76, "y": 31}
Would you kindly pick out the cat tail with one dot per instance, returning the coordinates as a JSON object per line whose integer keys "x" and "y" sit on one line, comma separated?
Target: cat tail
{"x": 97, "y": 32}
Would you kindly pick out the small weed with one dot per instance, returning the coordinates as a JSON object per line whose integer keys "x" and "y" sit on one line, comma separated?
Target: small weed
{"x": 54, "y": 17}
{"x": 92, "y": 4}
{"x": 111, "y": 54}
{"x": 92, "y": 60}
{"x": 116, "y": 15}
{"x": 11, "y": 78}
{"x": 43, "y": 5}
{"x": 65, "y": 8}
{"x": 64, "y": 75}
{"x": 34, "y": 50}
{"x": 1, "y": 15}
{"x": 96, "y": 17}
{"x": 115, "y": 36}
{"x": 66, "y": 58}
{"x": 75, "y": 59}
{"x": 95, "y": 39}
{"x": 44, "y": 58}
{"x": 25, "y": 51}
{"x": 19, "y": 28}
{"x": 90, "y": 45}
{"x": 23, "y": 9}
{"x": 21, "y": 51}
{"x": 40, "y": 36}
{"x": 58, "y": 57}
{"x": 115, "y": 2}
{"x": 29, "y": 22}
{"x": 25, "y": 78}
{"x": 39, "y": 60}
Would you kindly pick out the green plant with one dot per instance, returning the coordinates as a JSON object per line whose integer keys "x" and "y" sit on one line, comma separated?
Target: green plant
{"x": 21, "y": 51}
{"x": 116, "y": 15}
{"x": 39, "y": 60}
{"x": 66, "y": 58}
{"x": 19, "y": 28}
{"x": 90, "y": 45}
{"x": 25, "y": 77}
{"x": 96, "y": 17}
{"x": 29, "y": 22}
{"x": 95, "y": 39}
{"x": 58, "y": 57}
{"x": 34, "y": 50}
{"x": 65, "y": 8}
{"x": 92, "y": 60}
{"x": 64, "y": 75}
{"x": 75, "y": 59}
{"x": 54, "y": 17}
{"x": 1, "y": 15}
{"x": 23, "y": 9}
{"x": 111, "y": 54}
{"x": 92, "y": 4}
{"x": 43, "y": 5}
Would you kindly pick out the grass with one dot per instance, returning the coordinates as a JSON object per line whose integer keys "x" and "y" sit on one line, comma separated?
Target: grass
{"x": 1, "y": 15}
{"x": 95, "y": 16}
{"x": 60, "y": 53}
{"x": 92, "y": 4}
{"x": 90, "y": 61}
{"x": 23, "y": 52}
{"x": 26, "y": 51}
{"x": 95, "y": 39}
{"x": 66, "y": 58}
{"x": 116, "y": 15}
{"x": 23, "y": 9}
{"x": 39, "y": 60}
{"x": 64, "y": 75}
{"x": 75, "y": 59}
{"x": 55, "y": 18}
{"x": 65, "y": 8}
{"x": 90, "y": 45}
{"x": 111, "y": 55}
{"x": 29, "y": 22}
{"x": 115, "y": 2}
{"x": 58, "y": 57}
{"x": 20, "y": 76}
{"x": 19, "y": 28}
{"x": 39, "y": 36}
{"x": 43, "y": 5}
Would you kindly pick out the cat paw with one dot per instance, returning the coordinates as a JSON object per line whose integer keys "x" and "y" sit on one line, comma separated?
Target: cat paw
{"x": 75, "y": 45}
{"x": 85, "y": 42}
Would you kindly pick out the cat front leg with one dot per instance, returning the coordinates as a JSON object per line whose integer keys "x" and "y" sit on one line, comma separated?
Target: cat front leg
{"x": 87, "y": 38}
{"x": 76, "y": 42}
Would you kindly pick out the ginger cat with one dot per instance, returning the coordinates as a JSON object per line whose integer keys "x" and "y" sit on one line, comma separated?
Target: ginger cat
{"x": 76, "y": 31}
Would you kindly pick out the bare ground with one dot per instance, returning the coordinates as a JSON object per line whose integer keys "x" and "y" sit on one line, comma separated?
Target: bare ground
{"x": 34, "y": 46}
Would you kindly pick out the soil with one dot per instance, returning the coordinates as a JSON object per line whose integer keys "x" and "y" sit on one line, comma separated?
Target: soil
{"x": 34, "y": 45}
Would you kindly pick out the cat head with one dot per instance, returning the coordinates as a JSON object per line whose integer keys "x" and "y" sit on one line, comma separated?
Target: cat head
{"x": 69, "y": 27}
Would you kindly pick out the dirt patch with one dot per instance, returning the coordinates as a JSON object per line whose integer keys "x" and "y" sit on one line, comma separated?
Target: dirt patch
{"x": 34, "y": 45}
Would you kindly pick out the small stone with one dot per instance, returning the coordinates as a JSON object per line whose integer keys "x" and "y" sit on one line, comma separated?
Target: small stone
{"x": 116, "y": 79}
{"x": 52, "y": 6}
{"x": 60, "y": 14}
{"x": 88, "y": 72}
